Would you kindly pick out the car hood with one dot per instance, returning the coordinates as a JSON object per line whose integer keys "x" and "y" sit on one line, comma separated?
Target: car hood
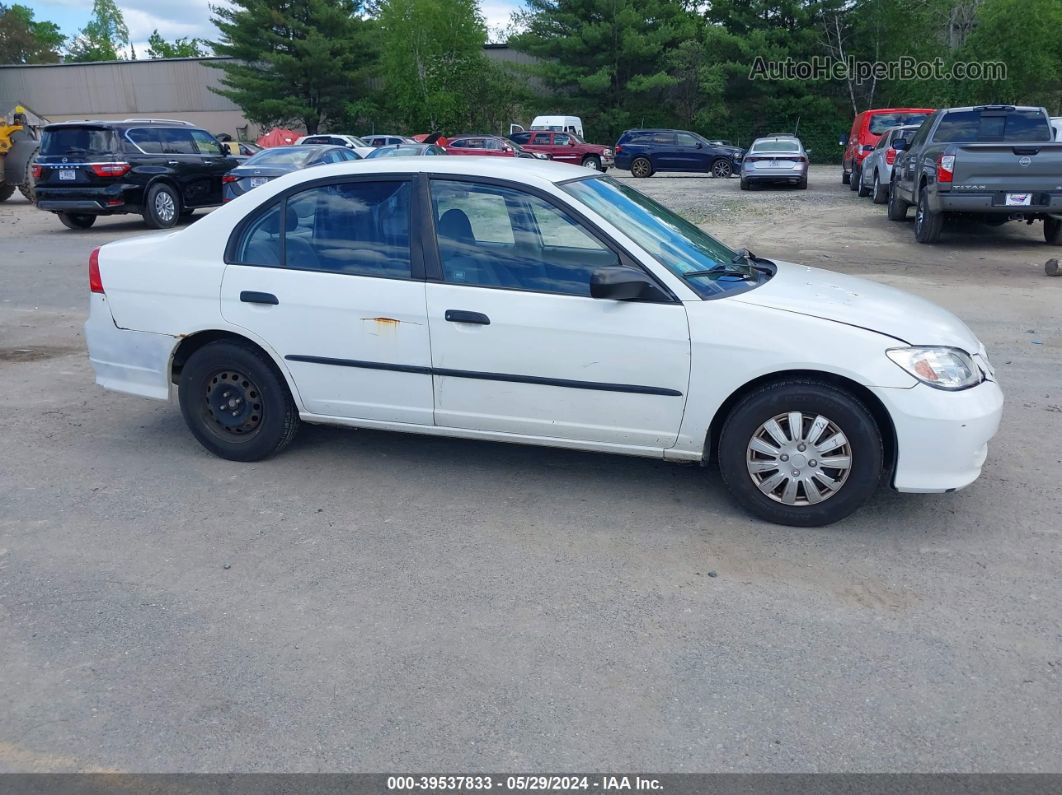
{"x": 861, "y": 303}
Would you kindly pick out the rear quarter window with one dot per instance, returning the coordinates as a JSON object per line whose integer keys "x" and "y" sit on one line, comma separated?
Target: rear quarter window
{"x": 78, "y": 141}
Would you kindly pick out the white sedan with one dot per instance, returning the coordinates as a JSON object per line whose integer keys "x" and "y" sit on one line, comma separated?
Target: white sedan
{"x": 531, "y": 302}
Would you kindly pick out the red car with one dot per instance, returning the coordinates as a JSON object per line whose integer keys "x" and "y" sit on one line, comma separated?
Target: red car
{"x": 487, "y": 146}
{"x": 566, "y": 148}
{"x": 866, "y": 130}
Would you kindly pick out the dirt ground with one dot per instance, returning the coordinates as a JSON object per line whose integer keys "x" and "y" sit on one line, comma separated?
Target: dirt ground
{"x": 370, "y": 601}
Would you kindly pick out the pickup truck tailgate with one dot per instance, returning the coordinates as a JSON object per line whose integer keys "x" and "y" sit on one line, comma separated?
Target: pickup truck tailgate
{"x": 1008, "y": 166}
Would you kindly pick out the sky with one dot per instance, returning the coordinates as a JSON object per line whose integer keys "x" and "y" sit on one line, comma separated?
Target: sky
{"x": 185, "y": 18}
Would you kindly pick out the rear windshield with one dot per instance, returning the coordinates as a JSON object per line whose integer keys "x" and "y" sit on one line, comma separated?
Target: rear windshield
{"x": 280, "y": 157}
{"x": 78, "y": 141}
{"x": 776, "y": 146}
{"x": 993, "y": 126}
{"x": 880, "y": 122}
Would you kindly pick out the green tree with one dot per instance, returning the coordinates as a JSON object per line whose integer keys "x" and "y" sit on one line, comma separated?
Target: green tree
{"x": 608, "y": 58}
{"x": 297, "y": 61}
{"x": 432, "y": 61}
{"x": 158, "y": 47}
{"x": 104, "y": 37}
{"x": 26, "y": 40}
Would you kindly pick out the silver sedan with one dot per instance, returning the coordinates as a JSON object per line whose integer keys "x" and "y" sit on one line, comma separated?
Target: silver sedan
{"x": 775, "y": 159}
{"x": 876, "y": 174}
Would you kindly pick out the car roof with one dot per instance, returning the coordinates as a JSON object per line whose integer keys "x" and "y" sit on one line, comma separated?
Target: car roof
{"x": 786, "y": 138}
{"x": 124, "y": 124}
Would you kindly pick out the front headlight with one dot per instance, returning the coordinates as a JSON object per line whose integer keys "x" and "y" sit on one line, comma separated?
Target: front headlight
{"x": 940, "y": 367}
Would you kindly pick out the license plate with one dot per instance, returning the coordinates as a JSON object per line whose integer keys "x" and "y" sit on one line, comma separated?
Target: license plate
{"x": 1018, "y": 199}
{"x": 67, "y": 174}
{"x": 257, "y": 181}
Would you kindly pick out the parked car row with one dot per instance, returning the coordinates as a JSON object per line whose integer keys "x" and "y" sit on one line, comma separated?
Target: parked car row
{"x": 992, "y": 163}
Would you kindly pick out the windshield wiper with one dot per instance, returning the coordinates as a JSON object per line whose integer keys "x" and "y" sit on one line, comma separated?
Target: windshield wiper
{"x": 742, "y": 264}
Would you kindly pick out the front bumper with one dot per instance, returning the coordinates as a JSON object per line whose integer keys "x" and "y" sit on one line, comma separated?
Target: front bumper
{"x": 135, "y": 362}
{"x": 941, "y": 437}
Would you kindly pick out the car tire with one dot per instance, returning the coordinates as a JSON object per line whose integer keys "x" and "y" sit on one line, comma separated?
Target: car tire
{"x": 6, "y": 191}
{"x": 928, "y": 224}
{"x": 879, "y": 194}
{"x": 592, "y": 161}
{"x": 806, "y": 499}
{"x": 77, "y": 220}
{"x": 897, "y": 206}
{"x": 853, "y": 181}
{"x": 722, "y": 168}
{"x": 802, "y": 184}
{"x": 744, "y": 184}
{"x": 641, "y": 167}
{"x": 162, "y": 207}
{"x": 845, "y": 176}
{"x": 1053, "y": 230}
{"x": 863, "y": 191}
{"x": 229, "y": 374}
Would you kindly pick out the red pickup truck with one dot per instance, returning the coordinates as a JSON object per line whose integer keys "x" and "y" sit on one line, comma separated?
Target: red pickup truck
{"x": 565, "y": 147}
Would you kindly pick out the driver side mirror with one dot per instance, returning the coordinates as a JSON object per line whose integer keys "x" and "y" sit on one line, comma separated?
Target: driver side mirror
{"x": 623, "y": 284}
{"x": 700, "y": 145}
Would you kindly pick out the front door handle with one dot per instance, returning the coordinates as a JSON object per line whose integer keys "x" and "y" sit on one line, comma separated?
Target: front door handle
{"x": 251, "y": 297}
{"x": 461, "y": 316}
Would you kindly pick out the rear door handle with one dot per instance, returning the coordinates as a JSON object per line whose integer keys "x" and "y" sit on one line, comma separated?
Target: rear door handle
{"x": 251, "y": 297}
{"x": 461, "y": 316}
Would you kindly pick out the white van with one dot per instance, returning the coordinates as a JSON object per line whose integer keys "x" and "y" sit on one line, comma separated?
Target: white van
{"x": 568, "y": 124}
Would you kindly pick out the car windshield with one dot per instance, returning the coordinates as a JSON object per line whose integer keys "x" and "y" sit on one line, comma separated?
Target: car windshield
{"x": 78, "y": 141}
{"x": 397, "y": 151}
{"x": 288, "y": 156}
{"x": 776, "y": 146}
{"x": 674, "y": 242}
{"x": 880, "y": 122}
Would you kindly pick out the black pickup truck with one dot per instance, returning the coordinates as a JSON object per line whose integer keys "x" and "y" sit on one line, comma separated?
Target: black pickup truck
{"x": 992, "y": 162}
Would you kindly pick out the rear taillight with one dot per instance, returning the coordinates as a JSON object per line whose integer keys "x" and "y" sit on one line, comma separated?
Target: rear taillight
{"x": 229, "y": 178}
{"x": 37, "y": 171}
{"x": 110, "y": 169}
{"x": 890, "y": 155}
{"x": 95, "y": 281}
{"x": 618, "y": 149}
{"x": 945, "y": 167}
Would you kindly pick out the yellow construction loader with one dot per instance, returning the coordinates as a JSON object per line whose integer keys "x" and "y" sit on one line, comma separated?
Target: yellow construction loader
{"x": 19, "y": 141}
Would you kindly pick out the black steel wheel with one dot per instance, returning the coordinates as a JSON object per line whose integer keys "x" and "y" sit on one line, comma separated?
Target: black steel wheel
{"x": 235, "y": 401}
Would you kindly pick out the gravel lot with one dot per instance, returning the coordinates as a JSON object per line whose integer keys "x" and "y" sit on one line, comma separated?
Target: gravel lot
{"x": 371, "y": 601}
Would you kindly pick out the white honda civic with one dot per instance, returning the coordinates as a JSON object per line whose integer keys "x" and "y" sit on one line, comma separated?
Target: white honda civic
{"x": 534, "y": 302}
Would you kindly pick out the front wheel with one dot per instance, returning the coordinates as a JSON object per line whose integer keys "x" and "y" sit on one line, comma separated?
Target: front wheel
{"x": 641, "y": 167}
{"x": 800, "y": 453}
{"x": 235, "y": 402}
{"x": 897, "y": 206}
{"x": 593, "y": 162}
{"x": 722, "y": 168}
{"x": 162, "y": 207}
{"x": 1053, "y": 230}
{"x": 77, "y": 220}
{"x": 864, "y": 191}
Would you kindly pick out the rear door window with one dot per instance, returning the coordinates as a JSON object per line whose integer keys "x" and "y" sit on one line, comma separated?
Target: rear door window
{"x": 147, "y": 139}
{"x": 78, "y": 141}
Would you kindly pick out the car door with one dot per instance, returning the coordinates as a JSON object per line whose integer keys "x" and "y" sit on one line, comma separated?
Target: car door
{"x": 329, "y": 277}
{"x": 213, "y": 164}
{"x": 562, "y": 148}
{"x": 664, "y": 153}
{"x": 690, "y": 154}
{"x": 518, "y": 344}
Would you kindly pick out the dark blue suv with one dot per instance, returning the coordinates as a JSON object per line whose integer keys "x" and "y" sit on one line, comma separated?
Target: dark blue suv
{"x": 644, "y": 152}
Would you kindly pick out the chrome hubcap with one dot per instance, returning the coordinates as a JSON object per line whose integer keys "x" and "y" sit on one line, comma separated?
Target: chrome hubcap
{"x": 799, "y": 459}
{"x": 164, "y": 206}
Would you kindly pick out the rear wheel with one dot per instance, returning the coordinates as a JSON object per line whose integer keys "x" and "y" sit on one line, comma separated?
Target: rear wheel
{"x": 880, "y": 193}
{"x": 853, "y": 181}
{"x": 864, "y": 191}
{"x": 803, "y": 184}
{"x": 722, "y": 168}
{"x": 6, "y": 191}
{"x": 592, "y": 161}
{"x": 162, "y": 207}
{"x": 641, "y": 167}
{"x": 928, "y": 224}
{"x": 28, "y": 186}
{"x": 897, "y": 206}
{"x": 800, "y": 453}
{"x": 235, "y": 402}
{"x": 1053, "y": 230}
{"x": 77, "y": 220}
{"x": 744, "y": 184}
{"x": 845, "y": 176}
